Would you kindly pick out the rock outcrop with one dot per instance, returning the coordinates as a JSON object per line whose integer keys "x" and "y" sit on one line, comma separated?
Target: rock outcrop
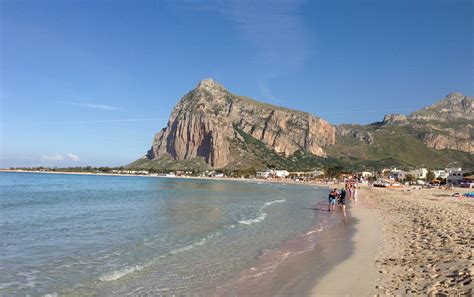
{"x": 455, "y": 106}
{"x": 358, "y": 134}
{"x": 207, "y": 119}
{"x": 395, "y": 119}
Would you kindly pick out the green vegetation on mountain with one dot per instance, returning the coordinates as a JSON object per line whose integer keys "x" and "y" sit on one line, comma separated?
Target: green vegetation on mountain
{"x": 212, "y": 128}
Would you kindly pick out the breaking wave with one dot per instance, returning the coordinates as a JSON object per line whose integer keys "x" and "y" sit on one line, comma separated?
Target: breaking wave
{"x": 262, "y": 215}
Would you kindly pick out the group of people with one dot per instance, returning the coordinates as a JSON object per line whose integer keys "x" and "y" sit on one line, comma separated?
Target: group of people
{"x": 338, "y": 197}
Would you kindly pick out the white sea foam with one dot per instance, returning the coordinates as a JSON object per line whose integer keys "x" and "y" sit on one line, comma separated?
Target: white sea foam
{"x": 262, "y": 215}
{"x": 115, "y": 275}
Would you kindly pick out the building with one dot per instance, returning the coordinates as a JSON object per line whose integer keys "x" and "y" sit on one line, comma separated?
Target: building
{"x": 419, "y": 173}
{"x": 440, "y": 173}
{"x": 264, "y": 174}
{"x": 396, "y": 174}
{"x": 455, "y": 177}
{"x": 366, "y": 174}
{"x": 452, "y": 169}
{"x": 281, "y": 173}
{"x": 273, "y": 173}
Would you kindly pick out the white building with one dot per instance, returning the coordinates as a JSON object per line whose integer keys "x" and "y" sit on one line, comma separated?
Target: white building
{"x": 453, "y": 169}
{"x": 397, "y": 174}
{"x": 264, "y": 174}
{"x": 440, "y": 173}
{"x": 366, "y": 174}
{"x": 419, "y": 173}
{"x": 273, "y": 173}
{"x": 281, "y": 173}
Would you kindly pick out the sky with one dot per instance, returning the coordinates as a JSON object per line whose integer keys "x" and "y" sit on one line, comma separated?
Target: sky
{"x": 91, "y": 82}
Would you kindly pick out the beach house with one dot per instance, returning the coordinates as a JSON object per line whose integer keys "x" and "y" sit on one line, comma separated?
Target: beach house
{"x": 420, "y": 173}
{"x": 440, "y": 173}
{"x": 455, "y": 177}
{"x": 397, "y": 174}
{"x": 264, "y": 174}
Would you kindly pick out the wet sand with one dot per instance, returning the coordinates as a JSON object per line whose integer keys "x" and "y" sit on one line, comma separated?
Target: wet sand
{"x": 356, "y": 275}
{"x": 393, "y": 242}
{"x": 296, "y": 274}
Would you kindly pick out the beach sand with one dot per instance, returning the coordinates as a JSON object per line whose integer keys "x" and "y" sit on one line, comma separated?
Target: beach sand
{"x": 356, "y": 275}
{"x": 428, "y": 241}
{"x": 394, "y": 242}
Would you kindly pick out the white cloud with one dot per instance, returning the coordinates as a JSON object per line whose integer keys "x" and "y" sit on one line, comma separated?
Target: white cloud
{"x": 52, "y": 157}
{"x": 91, "y": 105}
{"x": 72, "y": 157}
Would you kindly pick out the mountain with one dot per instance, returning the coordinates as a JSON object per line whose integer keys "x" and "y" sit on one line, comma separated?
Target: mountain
{"x": 211, "y": 127}
{"x": 433, "y": 136}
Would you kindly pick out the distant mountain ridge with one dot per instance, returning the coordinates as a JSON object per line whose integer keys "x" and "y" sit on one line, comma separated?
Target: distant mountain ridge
{"x": 211, "y": 127}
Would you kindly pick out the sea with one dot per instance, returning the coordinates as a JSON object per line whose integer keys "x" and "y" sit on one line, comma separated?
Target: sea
{"x": 65, "y": 234}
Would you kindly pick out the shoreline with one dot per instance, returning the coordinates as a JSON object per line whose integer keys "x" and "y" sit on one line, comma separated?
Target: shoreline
{"x": 385, "y": 248}
{"x": 393, "y": 242}
{"x": 256, "y": 180}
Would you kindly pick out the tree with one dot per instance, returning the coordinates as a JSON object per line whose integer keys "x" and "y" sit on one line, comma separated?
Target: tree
{"x": 409, "y": 178}
{"x": 334, "y": 171}
{"x": 430, "y": 176}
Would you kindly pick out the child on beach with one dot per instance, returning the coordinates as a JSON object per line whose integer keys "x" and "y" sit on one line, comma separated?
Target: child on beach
{"x": 332, "y": 199}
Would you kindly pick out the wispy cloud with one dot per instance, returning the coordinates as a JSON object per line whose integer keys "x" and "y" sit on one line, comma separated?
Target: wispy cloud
{"x": 105, "y": 121}
{"x": 277, "y": 31}
{"x": 351, "y": 111}
{"x": 52, "y": 158}
{"x": 72, "y": 157}
{"x": 265, "y": 91}
{"x": 275, "y": 28}
{"x": 90, "y": 105}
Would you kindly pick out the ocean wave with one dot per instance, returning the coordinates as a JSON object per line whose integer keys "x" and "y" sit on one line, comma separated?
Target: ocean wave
{"x": 117, "y": 274}
{"x": 262, "y": 215}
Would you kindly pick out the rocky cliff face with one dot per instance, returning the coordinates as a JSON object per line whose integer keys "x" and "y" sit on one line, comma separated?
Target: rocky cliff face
{"x": 447, "y": 124}
{"x": 207, "y": 120}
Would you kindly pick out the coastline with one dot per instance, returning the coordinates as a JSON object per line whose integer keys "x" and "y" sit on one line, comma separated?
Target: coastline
{"x": 256, "y": 180}
{"x": 393, "y": 242}
{"x": 356, "y": 275}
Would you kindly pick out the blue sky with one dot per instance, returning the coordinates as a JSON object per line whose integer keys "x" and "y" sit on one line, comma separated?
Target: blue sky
{"x": 91, "y": 82}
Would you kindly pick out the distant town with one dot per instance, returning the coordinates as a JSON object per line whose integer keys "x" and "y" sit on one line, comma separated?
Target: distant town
{"x": 386, "y": 177}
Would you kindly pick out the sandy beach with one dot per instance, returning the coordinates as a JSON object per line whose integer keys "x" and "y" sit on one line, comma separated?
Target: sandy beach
{"x": 428, "y": 241}
{"x": 395, "y": 242}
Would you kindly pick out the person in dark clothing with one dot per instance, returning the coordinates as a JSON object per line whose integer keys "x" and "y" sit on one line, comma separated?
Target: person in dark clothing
{"x": 332, "y": 199}
{"x": 342, "y": 197}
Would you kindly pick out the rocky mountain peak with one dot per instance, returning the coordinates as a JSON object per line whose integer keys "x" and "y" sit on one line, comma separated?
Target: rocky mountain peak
{"x": 454, "y": 102}
{"x": 209, "y": 84}
{"x": 453, "y": 106}
{"x": 210, "y": 122}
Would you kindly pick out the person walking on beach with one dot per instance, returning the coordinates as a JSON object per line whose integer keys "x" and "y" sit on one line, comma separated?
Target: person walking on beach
{"x": 342, "y": 197}
{"x": 332, "y": 199}
{"x": 355, "y": 194}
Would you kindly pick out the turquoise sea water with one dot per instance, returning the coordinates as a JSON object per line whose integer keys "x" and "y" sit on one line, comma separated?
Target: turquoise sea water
{"x": 106, "y": 235}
